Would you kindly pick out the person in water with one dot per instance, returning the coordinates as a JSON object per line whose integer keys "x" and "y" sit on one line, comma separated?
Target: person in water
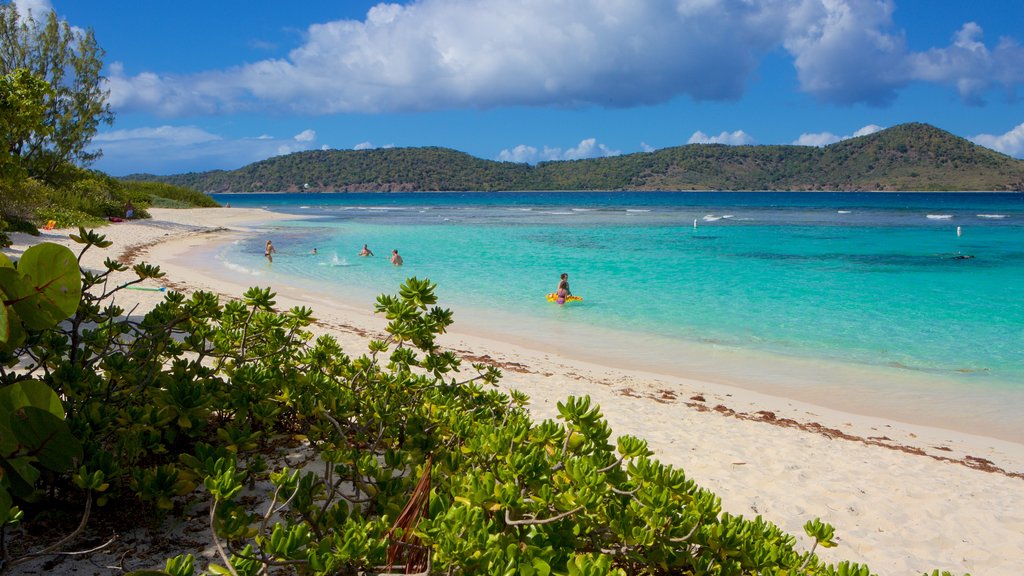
{"x": 563, "y": 291}
{"x": 365, "y": 251}
{"x": 395, "y": 258}
{"x": 313, "y": 252}
{"x": 269, "y": 250}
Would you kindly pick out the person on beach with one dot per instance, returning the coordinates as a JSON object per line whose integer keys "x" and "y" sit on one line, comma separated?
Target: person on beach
{"x": 269, "y": 250}
{"x": 365, "y": 251}
{"x": 395, "y": 258}
{"x": 563, "y": 291}
{"x": 129, "y": 211}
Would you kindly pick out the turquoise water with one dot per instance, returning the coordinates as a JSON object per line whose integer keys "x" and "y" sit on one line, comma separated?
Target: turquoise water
{"x": 859, "y": 278}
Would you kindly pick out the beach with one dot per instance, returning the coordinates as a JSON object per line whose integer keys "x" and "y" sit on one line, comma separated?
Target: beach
{"x": 903, "y": 498}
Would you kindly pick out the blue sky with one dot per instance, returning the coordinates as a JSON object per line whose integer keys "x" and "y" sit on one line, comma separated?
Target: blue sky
{"x": 199, "y": 85}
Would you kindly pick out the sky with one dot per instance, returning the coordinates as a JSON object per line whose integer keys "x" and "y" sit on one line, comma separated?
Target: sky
{"x": 199, "y": 85}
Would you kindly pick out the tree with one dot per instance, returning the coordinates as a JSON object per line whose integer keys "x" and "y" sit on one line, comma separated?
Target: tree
{"x": 23, "y": 102}
{"x": 70, "y": 60}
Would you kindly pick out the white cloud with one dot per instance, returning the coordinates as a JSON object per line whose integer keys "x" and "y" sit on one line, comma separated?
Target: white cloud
{"x": 826, "y": 138}
{"x": 305, "y": 136}
{"x": 174, "y": 149}
{"x": 38, "y": 9}
{"x": 587, "y": 148}
{"x": 817, "y": 139}
{"x": 363, "y": 146}
{"x": 969, "y": 66}
{"x": 737, "y": 138}
{"x": 1011, "y": 143}
{"x": 869, "y": 129}
{"x": 444, "y": 54}
{"x": 647, "y": 147}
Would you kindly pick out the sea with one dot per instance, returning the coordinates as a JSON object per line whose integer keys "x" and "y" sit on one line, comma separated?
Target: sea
{"x": 904, "y": 305}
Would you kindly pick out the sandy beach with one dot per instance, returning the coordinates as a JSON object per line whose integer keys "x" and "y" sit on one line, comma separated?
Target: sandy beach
{"x": 903, "y": 498}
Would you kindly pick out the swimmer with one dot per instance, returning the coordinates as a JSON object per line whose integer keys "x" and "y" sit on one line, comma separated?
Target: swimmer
{"x": 396, "y": 259}
{"x": 365, "y": 251}
{"x": 563, "y": 291}
{"x": 269, "y": 250}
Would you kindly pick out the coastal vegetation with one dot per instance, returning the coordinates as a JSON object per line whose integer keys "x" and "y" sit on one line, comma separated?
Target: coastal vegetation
{"x": 51, "y": 105}
{"x": 905, "y": 157}
{"x": 307, "y": 458}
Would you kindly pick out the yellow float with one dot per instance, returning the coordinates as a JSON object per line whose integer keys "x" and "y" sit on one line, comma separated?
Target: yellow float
{"x": 553, "y": 297}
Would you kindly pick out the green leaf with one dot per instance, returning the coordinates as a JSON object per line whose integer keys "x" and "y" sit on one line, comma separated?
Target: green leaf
{"x": 47, "y": 437}
{"x": 5, "y": 319}
{"x": 30, "y": 393}
{"x": 5, "y": 505}
{"x": 55, "y": 285}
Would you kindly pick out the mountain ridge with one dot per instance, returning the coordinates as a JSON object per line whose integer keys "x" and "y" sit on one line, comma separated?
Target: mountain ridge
{"x": 911, "y": 156}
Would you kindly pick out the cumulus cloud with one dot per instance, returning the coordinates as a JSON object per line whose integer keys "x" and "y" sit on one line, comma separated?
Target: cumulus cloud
{"x": 445, "y": 54}
{"x": 305, "y": 136}
{"x": 1011, "y": 143}
{"x": 826, "y": 138}
{"x": 364, "y": 146}
{"x": 737, "y": 138}
{"x": 174, "y": 149}
{"x": 587, "y": 148}
{"x": 969, "y": 66}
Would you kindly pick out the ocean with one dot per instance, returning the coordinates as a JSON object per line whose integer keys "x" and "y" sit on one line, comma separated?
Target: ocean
{"x": 913, "y": 301}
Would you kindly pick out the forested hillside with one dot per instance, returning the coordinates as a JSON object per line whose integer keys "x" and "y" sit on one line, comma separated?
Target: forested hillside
{"x": 905, "y": 157}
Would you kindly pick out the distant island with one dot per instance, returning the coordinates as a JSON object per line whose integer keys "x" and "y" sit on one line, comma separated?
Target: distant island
{"x": 910, "y": 156}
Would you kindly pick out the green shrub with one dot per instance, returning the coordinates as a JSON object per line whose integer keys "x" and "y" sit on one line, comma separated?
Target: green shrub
{"x": 161, "y": 194}
{"x": 67, "y": 217}
{"x": 424, "y": 465}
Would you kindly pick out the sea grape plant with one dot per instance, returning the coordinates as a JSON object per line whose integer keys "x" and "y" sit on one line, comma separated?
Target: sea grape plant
{"x": 412, "y": 462}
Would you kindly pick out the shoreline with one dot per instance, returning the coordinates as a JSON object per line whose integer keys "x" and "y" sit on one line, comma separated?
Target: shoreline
{"x": 903, "y": 498}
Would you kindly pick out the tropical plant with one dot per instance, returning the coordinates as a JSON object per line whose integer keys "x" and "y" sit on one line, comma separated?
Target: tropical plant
{"x": 70, "y": 61}
{"x": 412, "y": 464}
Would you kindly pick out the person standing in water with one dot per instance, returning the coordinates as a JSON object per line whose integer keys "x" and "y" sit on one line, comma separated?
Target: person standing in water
{"x": 365, "y": 251}
{"x": 269, "y": 250}
{"x": 395, "y": 258}
{"x": 563, "y": 291}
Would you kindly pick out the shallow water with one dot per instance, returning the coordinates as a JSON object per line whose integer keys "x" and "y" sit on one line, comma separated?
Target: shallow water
{"x": 861, "y": 280}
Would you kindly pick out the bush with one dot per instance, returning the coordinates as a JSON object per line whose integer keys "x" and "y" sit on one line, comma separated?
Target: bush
{"x": 421, "y": 470}
{"x": 161, "y": 194}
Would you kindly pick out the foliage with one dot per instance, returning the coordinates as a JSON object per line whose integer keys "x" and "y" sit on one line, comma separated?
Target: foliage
{"x": 70, "y": 61}
{"x": 160, "y": 193}
{"x": 41, "y": 291}
{"x": 412, "y": 469}
{"x": 905, "y": 157}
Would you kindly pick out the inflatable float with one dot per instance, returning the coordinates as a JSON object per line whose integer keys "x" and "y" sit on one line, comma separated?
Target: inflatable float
{"x": 553, "y": 297}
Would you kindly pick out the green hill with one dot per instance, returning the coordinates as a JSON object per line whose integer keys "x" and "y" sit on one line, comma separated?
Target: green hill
{"x": 905, "y": 157}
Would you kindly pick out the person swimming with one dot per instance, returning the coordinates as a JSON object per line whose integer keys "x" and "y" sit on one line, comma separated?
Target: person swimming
{"x": 396, "y": 259}
{"x": 365, "y": 251}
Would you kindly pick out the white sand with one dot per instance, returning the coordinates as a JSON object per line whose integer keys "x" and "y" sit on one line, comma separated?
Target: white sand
{"x": 902, "y": 497}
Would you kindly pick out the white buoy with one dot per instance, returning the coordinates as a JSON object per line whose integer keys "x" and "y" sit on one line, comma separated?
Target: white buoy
{"x": 959, "y": 232}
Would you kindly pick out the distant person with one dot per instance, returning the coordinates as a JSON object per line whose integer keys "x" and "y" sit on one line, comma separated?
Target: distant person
{"x": 227, "y": 205}
{"x": 129, "y": 210}
{"x": 563, "y": 291}
{"x": 365, "y": 251}
{"x": 396, "y": 259}
{"x": 313, "y": 252}
{"x": 269, "y": 250}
